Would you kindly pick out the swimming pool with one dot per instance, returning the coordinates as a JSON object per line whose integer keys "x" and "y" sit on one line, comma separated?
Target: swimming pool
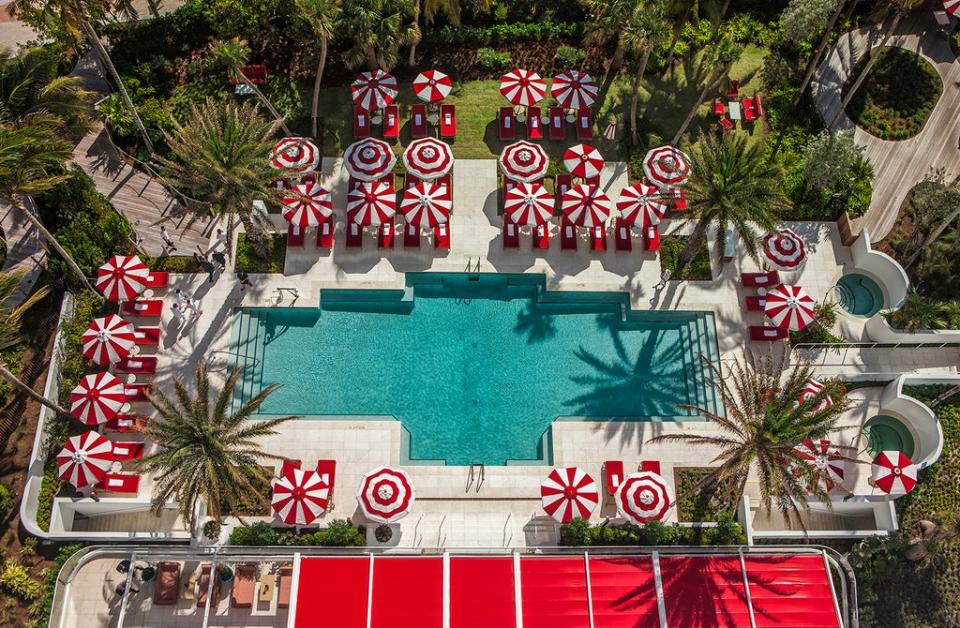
{"x": 477, "y": 367}
{"x": 859, "y": 295}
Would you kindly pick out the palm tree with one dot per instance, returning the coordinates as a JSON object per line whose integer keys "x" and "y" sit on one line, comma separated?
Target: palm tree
{"x": 814, "y": 60}
{"x": 763, "y": 424}
{"x": 206, "y": 452}
{"x": 323, "y": 16}
{"x": 234, "y": 54}
{"x": 377, "y": 30}
{"x": 679, "y": 12}
{"x": 731, "y": 187}
{"x": 608, "y": 18}
{"x": 641, "y": 34}
{"x": 721, "y": 56}
{"x": 222, "y": 163}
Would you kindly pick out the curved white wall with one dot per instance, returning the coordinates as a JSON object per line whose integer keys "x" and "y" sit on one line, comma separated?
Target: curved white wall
{"x": 879, "y": 330}
{"x": 885, "y": 270}
{"x": 917, "y": 417}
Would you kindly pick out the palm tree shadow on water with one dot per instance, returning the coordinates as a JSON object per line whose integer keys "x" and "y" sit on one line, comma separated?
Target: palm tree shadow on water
{"x": 537, "y": 326}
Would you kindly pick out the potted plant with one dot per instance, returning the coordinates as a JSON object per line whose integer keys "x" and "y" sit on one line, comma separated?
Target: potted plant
{"x": 383, "y": 533}
{"x": 211, "y": 530}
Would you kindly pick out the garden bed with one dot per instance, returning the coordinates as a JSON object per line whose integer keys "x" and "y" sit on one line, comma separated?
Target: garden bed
{"x": 694, "y": 505}
{"x": 249, "y": 261}
{"x": 697, "y": 270}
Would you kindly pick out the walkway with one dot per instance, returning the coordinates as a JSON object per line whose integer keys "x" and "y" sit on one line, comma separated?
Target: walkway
{"x": 898, "y": 165}
{"x": 26, "y": 250}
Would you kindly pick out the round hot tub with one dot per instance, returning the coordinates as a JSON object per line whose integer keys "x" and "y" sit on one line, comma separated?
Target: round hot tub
{"x": 859, "y": 295}
{"x": 887, "y": 433}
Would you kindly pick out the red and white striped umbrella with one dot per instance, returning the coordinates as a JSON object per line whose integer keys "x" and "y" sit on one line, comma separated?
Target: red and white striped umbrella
{"x": 784, "y": 248}
{"x": 372, "y": 204}
{"x": 951, "y": 6}
{"x": 300, "y": 496}
{"x": 893, "y": 473}
{"x": 295, "y": 153}
{"x": 108, "y": 340}
{"x": 811, "y": 390}
{"x": 432, "y": 86}
{"x": 428, "y": 158}
{"x": 97, "y": 398}
{"x": 374, "y": 90}
{"x": 666, "y": 166}
{"x": 85, "y": 459}
{"x": 585, "y": 205}
{"x": 569, "y": 493}
{"x": 528, "y": 204}
{"x": 309, "y": 205}
{"x": 522, "y": 87}
{"x": 369, "y": 159}
{"x": 386, "y": 494}
{"x": 789, "y": 307}
{"x": 426, "y": 204}
{"x": 641, "y": 203}
{"x": 825, "y": 458}
{"x": 524, "y": 161}
{"x": 644, "y": 496}
{"x": 583, "y": 160}
{"x": 122, "y": 277}
{"x": 574, "y": 89}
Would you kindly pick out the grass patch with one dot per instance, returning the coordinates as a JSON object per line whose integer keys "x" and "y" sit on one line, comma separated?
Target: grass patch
{"x": 697, "y": 270}
{"x": 249, "y": 261}
{"x": 692, "y": 504}
{"x": 898, "y": 95}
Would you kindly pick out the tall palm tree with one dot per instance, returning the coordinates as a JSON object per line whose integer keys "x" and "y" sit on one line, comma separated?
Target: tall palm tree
{"x": 762, "y": 425}
{"x": 206, "y": 452}
{"x": 814, "y": 60}
{"x": 642, "y": 32}
{"x": 681, "y": 12}
{"x": 377, "y": 29}
{"x": 720, "y": 57}
{"x": 233, "y": 54}
{"x": 323, "y": 16}
{"x": 607, "y": 20}
{"x": 731, "y": 187}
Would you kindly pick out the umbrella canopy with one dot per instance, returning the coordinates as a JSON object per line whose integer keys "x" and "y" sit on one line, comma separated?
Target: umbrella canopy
{"x": 108, "y": 340}
{"x": 386, "y": 494}
{"x": 369, "y": 159}
{"x": 585, "y": 205}
{"x": 97, "y": 398}
{"x": 641, "y": 203}
{"x": 522, "y": 87}
{"x": 300, "y": 496}
{"x": 784, "y": 248}
{"x": 85, "y": 459}
{"x": 528, "y": 204}
{"x": 426, "y": 204}
{"x": 951, "y": 6}
{"x": 295, "y": 153}
{"x": 643, "y": 497}
{"x": 523, "y": 161}
{"x": 583, "y": 160}
{"x": 308, "y": 206}
{"x": 372, "y": 204}
{"x": 893, "y": 473}
{"x": 432, "y": 86}
{"x": 666, "y": 166}
{"x": 428, "y": 158}
{"x": 373, "y": 90}
{"x": 826, "y": 459}
{"x": 574, "y": 89}
{"x": 569, "y": 493}
{"x": 789, "y": 307}
{"x": 122, "y": 277}
{"x": 811, "y": 390}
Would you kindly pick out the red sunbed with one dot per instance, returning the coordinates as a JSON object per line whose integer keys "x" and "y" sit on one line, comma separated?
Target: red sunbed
{"x": 613, "y": 472}
{"x": 294, "y": 236}
{"x": 119, "y": 483}
{"x": 507, "y": 124}
{"x": 734, "y": 89}
{"x": 143, "y": 307}
{"x": 244, "y": 585}
{"x": 511, "y": 234}
{"x": 760, "y": 280}
{"x": 126, "y": 423}
{"x": 310, "y": 178}
{"x": 146, "y": 336}
{"x": 391, "y": 122}
{"x": 288, "y": 465}
{"x": 204, "y": 585}
{"x": 585, "y": 124}
{"x": 389, "y": 178}
{"x": 446, "y": 180}
{"x": 557, "y": 129}
{"x": 284, "y": 587}
{"x": 756, "y": 304}
{"x": 410, "y": 181}
{"x": 679, "y": 199}
{"x": 385, "y": 235}
{"x": 136, "y": 392}
{"x": 541, "y": 237}
{"x": 354, "y": 235}
{"x": 651, "y": 239}
{"x": 599, "y": 238}
{"x": 157, "y": 280}
{"x": 719, "y": 109}
{"x": 441, "y": 237}
{"x": 749, "y": 114}
{"x": 653, "y": 466}
{"x": 167, "y": 585}
{"x": 127, "y": 451}
{"x": 595, "y": 181}
{"x": 448, "y": 121}
{"x": 757, "y": 106}
{"x": 328, "y": 468}
{"x": 725, "y": 124}
{"x": 137, "y": 364}
{"x": 622, "y": 235}
{"x": 568, "y": 236}
{"x": 563, "y": 182}
{"x": 325, "y": 234}
{"x": 759, "y": 333}
{"x": 418, "y": 121}
{"x": 534, "y": 128}
{"x": 361, "y": 123}
{"x": 411, "y": 237}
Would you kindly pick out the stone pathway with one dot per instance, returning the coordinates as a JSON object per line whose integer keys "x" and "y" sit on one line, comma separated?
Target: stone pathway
{"x": 26, "y": 251}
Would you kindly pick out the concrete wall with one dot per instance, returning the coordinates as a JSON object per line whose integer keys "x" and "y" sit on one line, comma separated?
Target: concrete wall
{"x": 917, "y": 417}
{"x": 879, "y": 330}
{"x": 882, "y": 268}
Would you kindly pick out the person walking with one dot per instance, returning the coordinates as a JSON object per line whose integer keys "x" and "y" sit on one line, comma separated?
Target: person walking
{"x": 220, "y": 259}
{"x": 182, "y": 297}
{"x": 192, "y": 304}
{"x": 244, "y": 280}
{"x": 178, "y": 318}
{"x": 169, "y": 244}
{"x": 221, "y": 239}
{"x": 205, "y": 264}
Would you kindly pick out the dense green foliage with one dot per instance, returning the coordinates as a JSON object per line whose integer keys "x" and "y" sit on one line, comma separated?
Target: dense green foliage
{"x": 696, "y": 504}
{"x": 580, "y": 532}
{"x": 6, "y": 500}
{"x": 41, "y": 610}
{"x": 338, "y": 533}
{"x": 249, "y": 261}
{"x": 16, "y": 580}
{"x": 697, "y": 270}
{"x": 490, "y": 59}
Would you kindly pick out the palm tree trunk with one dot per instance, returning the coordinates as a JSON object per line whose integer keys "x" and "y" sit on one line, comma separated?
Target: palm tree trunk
{"x": 932, "y": 237}
{"x": 616, "y": 61}
{"x": 266, "y": 103}
{"x": 21, "y": 206}
{"x": 324, "y": 44}
{"x": 19, "y": 385}
{"x": 693, "y": 111}
{"x": 724, "y": 9}
{"x": 672, "y": 53}
{"x": 635, "y": 97}
{"x": 153, "y": 6}
{"x": 94, "y": 40}
{"x": 818, "y": 54}
{"x": 254, "y": 236}
{"x": 412, "y": 58}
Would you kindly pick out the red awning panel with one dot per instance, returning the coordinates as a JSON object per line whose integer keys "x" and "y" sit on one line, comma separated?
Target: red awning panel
{"x": 332, "y": 591}
{"x": 407, "y": 592}
{"x": 554, "y": 592}
{"x": 481, "y": 592}
{"x": 704, "y": 591}
{"x": 624, "y": 593}
{"x": 791, "y": 591}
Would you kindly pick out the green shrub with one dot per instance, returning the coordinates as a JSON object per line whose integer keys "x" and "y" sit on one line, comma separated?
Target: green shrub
{"x": 575, "y": 533}
{"x": 41, "y": 610}
{"x": 338, "y": 533}
{"x": 184, "y": 97}
{"x": 6, "y": 500}
{"x": 569, "y": 57}
{"x": 260, "y": 533}
{"x": 341, "y": 533}
{"x": 284, "y": 93}
{"x": 699, "y": 267}
{"x": 174, "y": 264}
{"x": 73, "y": 364}
{"x": 490, "y": 59}
{"x": 49, "y": 487}
{"x": 504, "y": 33}
{"x": 211, "y": 529}
{"x": 15, "y": 579}
{"x": 249, "y": 261}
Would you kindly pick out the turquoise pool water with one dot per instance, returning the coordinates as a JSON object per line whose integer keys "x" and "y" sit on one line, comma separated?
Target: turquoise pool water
{"x": 859, "y": 295}
{"x": 886, "y": 433}
{"x": 477, "y": 367}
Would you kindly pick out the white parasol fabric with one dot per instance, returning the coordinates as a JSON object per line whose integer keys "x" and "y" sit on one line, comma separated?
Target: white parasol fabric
{"x": 122, "y": 277}
{"x": 951, "y": 6}
{"x": 369, "y": 159}
{"x": 644, "y": 496}
{"x": 789, "y": 307}
{"x": 569, "y": 493}
{"x": 372, "y": 204}
{"x": 528, "y": 204}
{"x": 432, "y": 86}
{"x": 300, "y": 496}
{"x": 386, "y": 494}
{"x": 583, "y": 160}
{"x": 893, "y": 473}
{"x": 85, "y": 459}
{"x": 428, "y": 158}
{"x": 295, "y": 153}
{"x": 574, "y": 89}
{"x": 641, "y": 204}
{"x": 666, "y": 166}
{"x": 426, "y": 204}
{"x": 784, "y": 248}
{"x": 97, "y": 398}
{"x": 373, "y": 90}
{"x": 108, "y": 340}
{"x": 826, "y": 458}
{"x": 811, "y": 390}
{"x": 523, "y": 161}
{"x": 522, "y": 87}
{"x": 586, "y": 206}
{"x": 309, "y": 205}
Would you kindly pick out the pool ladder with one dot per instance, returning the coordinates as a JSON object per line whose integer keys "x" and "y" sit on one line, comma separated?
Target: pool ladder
{"x": 477, "y": 474}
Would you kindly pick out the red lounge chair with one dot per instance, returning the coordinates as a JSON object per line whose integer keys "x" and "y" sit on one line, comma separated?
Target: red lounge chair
{"x": 760, "y": 280}
{"x": 411, "y": 181}
{"x": 204, "y": 585}
{"x": 167, "y": 585}
{"x": 288, "y": 465}
{"x": 679, "y": 199}
{"x": 329, "y": 469}
{"x": 757, "y": 106}
{"x": 295, "y": 236}
{"x": 137, "y": 364}
{"x": 653, "y": 466}
{"x": 418, "y": 121}
{"x": 285, "y": 587}
{"x": 756, "y": 304}
{"x": 534, "y": 126}
{"x": 389, "y": 178}
{"x": 749, "y": 114}
{"x": 734, "y": 89}
{"x": 511, "y": 234}
{"x": 613, "y": 472}
{"x": 136, "y": 392}
{"x": 325, "y": 234}
{"x": 146, "y": 336}
{"x": 119, "y": 483}
{"x": 719, "y": 109}
{"x": 622, "y": 235}
{"x": 557, "y": 129}
{"x": 593, "y": 181}
{"x": 143, "y": 307}
{"x": 127, "y": 451}
{"x": 354, "y": 234}
{"x": 585, "y": 124}
{"x": 448, "y": 121}
{"x": 385, "y": 235}
{"x": 391, "y": 122}
{"x": 126, "y": 423}
{"x": 308, "y": 179}
{"x": 441, "y": 237}
{"x": 157, "y": 280}
{"x": 568, "y": 236}
{"x": 725, "y": 124}
{"x": 562, "y": 183}
{"x": 651, "y": 239}
{"x": 541, "y": 237}
{"x": 759, "y": 333}
{"x": 361, "y": 123}
{"x": 411, "y": 237}
{"x": 244, "y": 585}
{"x": 446, "y": 180}
{"x": 507, "y": 124}
{"x": 280, "y": 184}
{"x": 599, "y": 240}
{"x": 256, "y": 73}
